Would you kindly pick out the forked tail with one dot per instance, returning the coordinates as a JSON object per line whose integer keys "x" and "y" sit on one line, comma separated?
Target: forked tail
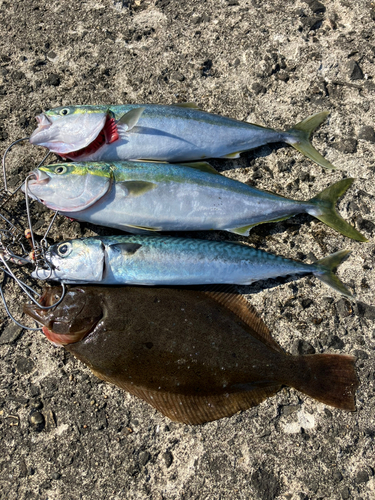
{"x": 324, "y": 271}
{"x": 299, "y": 138}
{"x": 324, "y": 209}
{"x": 329, "y": 378}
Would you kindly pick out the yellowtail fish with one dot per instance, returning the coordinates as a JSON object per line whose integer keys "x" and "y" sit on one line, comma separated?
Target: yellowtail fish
{"x": 141, "y": 196}
{"x": 157, "y": 132}
{"x": 194, "y": 356}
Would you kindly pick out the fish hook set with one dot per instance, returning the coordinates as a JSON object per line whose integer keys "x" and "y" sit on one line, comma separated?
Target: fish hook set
{"x": 141, "y": 169}
{"x": 14, "y": 243}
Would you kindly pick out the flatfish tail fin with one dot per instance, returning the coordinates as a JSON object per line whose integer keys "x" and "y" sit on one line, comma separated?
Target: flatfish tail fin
{"x": 299, "y": 137}
{"x": 328, "y": 378}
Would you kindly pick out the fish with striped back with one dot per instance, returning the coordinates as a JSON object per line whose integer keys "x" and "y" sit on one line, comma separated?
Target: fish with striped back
{"x": 165, "y": 260}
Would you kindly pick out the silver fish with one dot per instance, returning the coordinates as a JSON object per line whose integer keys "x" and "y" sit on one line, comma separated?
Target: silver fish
{"x": 157, "y": 260}
{"x": 156, "y": 132}
{"x": 138, "y": 196}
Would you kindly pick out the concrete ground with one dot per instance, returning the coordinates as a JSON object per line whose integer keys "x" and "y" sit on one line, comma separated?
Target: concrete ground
{"x": 65, "y": 435}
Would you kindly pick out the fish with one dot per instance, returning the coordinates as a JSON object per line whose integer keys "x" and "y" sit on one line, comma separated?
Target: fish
{"x": 195, "y": 356}
{"x": 180, "y": 132}
{"x": 166, "y": 260}
{"x": 145, "y": 196}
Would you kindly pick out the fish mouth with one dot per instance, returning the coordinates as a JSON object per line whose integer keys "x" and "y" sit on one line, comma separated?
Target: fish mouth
{"x": 38, "y": 314}
{"x": 43, "y": 122}
{"x": 107, "y": 135}
{"x": 38, "y": 177}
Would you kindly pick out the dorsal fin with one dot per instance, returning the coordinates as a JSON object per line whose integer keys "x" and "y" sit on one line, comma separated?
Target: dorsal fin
{"x": 247, "y": 313}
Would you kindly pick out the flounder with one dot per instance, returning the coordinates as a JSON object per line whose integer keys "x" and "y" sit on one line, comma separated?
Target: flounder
{"x": 195, "y": 356}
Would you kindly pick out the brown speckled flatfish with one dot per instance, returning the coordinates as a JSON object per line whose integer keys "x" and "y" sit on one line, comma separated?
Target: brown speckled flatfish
{"x": 195, "y": 356}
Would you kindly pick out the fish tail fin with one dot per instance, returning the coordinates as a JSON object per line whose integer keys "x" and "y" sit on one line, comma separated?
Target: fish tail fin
{"x": 324, "y": 271}
{"x": 328, "y": 378}
{"x": 324, "y": 209}
{"x": 299, "y": 138}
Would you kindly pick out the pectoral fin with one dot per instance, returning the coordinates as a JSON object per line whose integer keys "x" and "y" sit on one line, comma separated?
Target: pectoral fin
{"x": 201, "y": 165}
{"x": 136, "y": 188}
{"x": 126, "y": 248}
{"x": 130, "y": 119}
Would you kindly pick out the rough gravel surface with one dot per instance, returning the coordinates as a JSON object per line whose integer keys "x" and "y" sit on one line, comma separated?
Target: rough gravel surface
{"x": 65, "y": 435}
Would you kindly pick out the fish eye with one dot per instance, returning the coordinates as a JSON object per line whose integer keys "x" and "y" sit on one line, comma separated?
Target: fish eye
{"x": 64, "y": 111}
{"x": 64, "y": 249}
{"x": 60, "y": 169}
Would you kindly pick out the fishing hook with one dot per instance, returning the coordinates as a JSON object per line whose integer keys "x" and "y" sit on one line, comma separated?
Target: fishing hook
{"x": 23, "y": 286}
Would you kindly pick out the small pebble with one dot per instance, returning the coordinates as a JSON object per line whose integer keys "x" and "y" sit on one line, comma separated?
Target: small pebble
{"x": 346, "y": 145}
{"x": 144, "y": 457}
{"x": 10, "y": 334}
{"x": 362, "y": 477}
{"x": 367, "y": 133}
{"x": 53, "y": 80}
{"x": 301, "y": 347}
{"x": 37, "y": 421}
{"x": 345, "y": 493}
{"x": 344, "y": 308}
{"x": 354, "y": 71}
{"x": 168, "y": 458}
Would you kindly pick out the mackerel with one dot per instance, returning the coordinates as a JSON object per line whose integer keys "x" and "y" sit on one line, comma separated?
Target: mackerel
{"x": 158, "y": 260}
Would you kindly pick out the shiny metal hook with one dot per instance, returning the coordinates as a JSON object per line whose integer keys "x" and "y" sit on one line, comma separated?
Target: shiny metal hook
{"x": 4, "y": 156}
{"x": 23, "y": 286}
{"x": 28, "y": 210}
{"x": 38, "y": 249}
{"x": 12, "y": 317}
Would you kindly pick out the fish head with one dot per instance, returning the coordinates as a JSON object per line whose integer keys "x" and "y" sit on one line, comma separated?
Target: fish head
{"x": 70, "y": 129}
{"x": 70, "y": 187}
{"x": 74, "y": 261}
{"x": 72, "y": 319}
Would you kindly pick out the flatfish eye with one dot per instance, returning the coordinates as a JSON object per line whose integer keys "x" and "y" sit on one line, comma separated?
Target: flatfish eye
{"x": 60, "y": 170}
{"x": 65, "y": 111}
{"x": 64, "y": 249}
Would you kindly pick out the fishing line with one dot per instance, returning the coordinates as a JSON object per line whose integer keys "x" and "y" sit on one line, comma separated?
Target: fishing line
{"x": 23, "y": 286}
{"x": 12, "y": 317}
